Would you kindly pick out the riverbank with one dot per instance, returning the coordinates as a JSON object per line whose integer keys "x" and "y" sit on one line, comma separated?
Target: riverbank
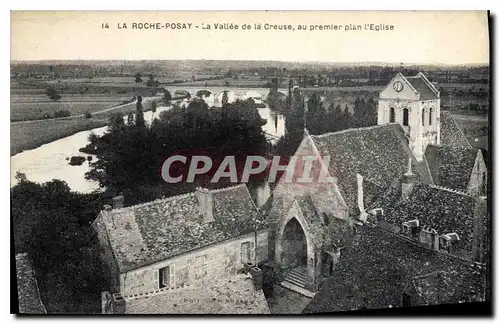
{"x": 28, "y": 136}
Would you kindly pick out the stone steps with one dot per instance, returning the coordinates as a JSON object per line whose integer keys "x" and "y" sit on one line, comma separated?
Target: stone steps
{"x": 295, "y": 280}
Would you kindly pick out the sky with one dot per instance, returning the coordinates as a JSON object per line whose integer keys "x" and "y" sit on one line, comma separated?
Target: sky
{"x": 421, "y": 37}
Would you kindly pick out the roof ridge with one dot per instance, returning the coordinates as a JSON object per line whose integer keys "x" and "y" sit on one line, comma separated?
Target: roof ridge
{"x": 351, "y": 130}
{"x": 157, "y": 200}
{"x": 228, "y": 188}
{"x": 450, "y": 190}
{"x": 445, "y": 254}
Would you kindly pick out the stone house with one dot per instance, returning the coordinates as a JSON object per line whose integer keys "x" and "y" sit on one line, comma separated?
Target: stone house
{"x": 28, "y": 295}
{"x": 181, "y": 241}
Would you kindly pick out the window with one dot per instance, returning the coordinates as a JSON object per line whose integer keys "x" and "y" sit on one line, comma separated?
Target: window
{"x": 405, "y": 117}
{"x": 423, "y": 117}
{"x": 167, "y": 276}
{"x": 406, "y": 300}
{"x": 430, "y": 116}
{"x": 392, "y": 115}
{"x": 245, "y": 252}
{"x": 200, "y": 270}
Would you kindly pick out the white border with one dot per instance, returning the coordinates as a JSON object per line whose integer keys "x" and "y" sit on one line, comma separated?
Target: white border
{"x": 200, "y": 5}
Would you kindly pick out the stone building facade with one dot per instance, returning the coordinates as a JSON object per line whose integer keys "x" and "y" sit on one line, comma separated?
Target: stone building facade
{"x": 414, "y": 103}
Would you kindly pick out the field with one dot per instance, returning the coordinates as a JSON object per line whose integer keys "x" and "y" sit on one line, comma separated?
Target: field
{"x": 475, "y": 129}
{"x": 36, "y": 106}
{"x": 26, "y": 136}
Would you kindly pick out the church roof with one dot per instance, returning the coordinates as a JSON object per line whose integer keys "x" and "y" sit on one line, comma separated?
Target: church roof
{"x": 27, "y": 287}
{"x": 423, "y": 87}
{"x": 444, "y": 210}
{"x": 451, "y": 167}
{"x": 228, "y": 295}
{"x": 374, "y": 270}
{"x": 154, "y": 231}
{"x": 379, "y": 153}
{"x": 451, "y": 134}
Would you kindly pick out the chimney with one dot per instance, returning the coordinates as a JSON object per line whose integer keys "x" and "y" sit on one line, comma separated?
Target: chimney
{"x": 118, "y": 201}
{"x": 409, "y": 179}
{"x": 361, "y": 203}
{"x": 410, "y": 228}
{"x": 429, "y": 237}
{"x": 205, "y": 202}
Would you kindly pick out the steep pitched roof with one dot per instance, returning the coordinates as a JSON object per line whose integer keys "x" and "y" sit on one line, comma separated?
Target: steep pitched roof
{"x": 451, "y": 134}
{"x": 228, "y": 295}
{"x": 451, "y": 167}
{"x": 379, "y": 153}
{"x": 442, "y": 287}
{"x": 154, "y": 231}
{"x": 374, "y": 270}
{"x": 423, "y": 87}
{"x": 27, "y": 287}
{"x": 444, "y": 210}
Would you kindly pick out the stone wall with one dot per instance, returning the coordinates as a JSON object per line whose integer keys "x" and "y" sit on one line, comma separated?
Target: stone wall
{"x": 106, "y": 252}
{"x": 196, "y": 267}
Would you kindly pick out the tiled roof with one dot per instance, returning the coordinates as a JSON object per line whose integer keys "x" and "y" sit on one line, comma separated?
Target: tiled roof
{"x": 451, "y": 134}
{"x": 444, "y": 210}
{"x": 154, "y": 231}
{"x": 442, "y": 287}
{"x": 451, "y": 167}
{"x": 27, "y": 287}
{"x": 228, "y": 295}
{"x": 379, "y": 153}
{"x": 374, "y": 270}
{"x": 425, "y": 91}
{"x": 371, "y": 191}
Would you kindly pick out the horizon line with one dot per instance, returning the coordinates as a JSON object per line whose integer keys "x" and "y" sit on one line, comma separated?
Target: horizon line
{"x": 252, "y": 60}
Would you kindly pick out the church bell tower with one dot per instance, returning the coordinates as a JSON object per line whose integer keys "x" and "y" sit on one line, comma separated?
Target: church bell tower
{"x": 414, "y": 103}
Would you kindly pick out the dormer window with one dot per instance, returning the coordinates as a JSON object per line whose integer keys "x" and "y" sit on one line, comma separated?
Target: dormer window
{"x": 429, "y": 236}
{"x": 447, "y": 241}
{"x": 410, "y": 228}
{"x": 377, "y": 213}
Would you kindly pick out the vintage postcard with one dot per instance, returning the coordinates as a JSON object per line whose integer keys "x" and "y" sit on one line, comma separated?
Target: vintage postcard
{"x": 250, "y": 162}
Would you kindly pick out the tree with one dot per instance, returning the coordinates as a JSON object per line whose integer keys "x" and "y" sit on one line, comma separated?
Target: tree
{"x": 167, "y": 97}
{"x": 52, "y": 93}
{"x": 82, "y": 90}
{"x": 138, "y": 78}
{"x": 225, "y": 99}
{"x": 152, "y": 82}
{"x": 52, "y": 224}
{"x": 153, "y": 109}
{"x": 139, "y": 114}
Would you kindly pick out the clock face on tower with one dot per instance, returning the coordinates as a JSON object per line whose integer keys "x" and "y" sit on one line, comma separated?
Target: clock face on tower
{"x": 398, "y": 86}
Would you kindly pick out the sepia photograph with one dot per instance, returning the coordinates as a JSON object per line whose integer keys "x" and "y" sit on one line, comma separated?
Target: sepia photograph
{"x": 250, "y": 162}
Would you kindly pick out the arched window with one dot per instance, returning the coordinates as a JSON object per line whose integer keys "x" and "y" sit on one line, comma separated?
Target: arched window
{"x": 423, "y": 117}
{"x": 405, "y": 117}
{"x": 392, "y": 115}
{"x": 430, "y": 116}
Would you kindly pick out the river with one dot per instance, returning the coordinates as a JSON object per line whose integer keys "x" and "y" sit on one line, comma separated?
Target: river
{"x": 51, "y": 161}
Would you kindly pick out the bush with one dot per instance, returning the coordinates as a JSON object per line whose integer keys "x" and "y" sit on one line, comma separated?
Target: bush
{"x": 62, "y": 113}
{"x": 88, "y": 114}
